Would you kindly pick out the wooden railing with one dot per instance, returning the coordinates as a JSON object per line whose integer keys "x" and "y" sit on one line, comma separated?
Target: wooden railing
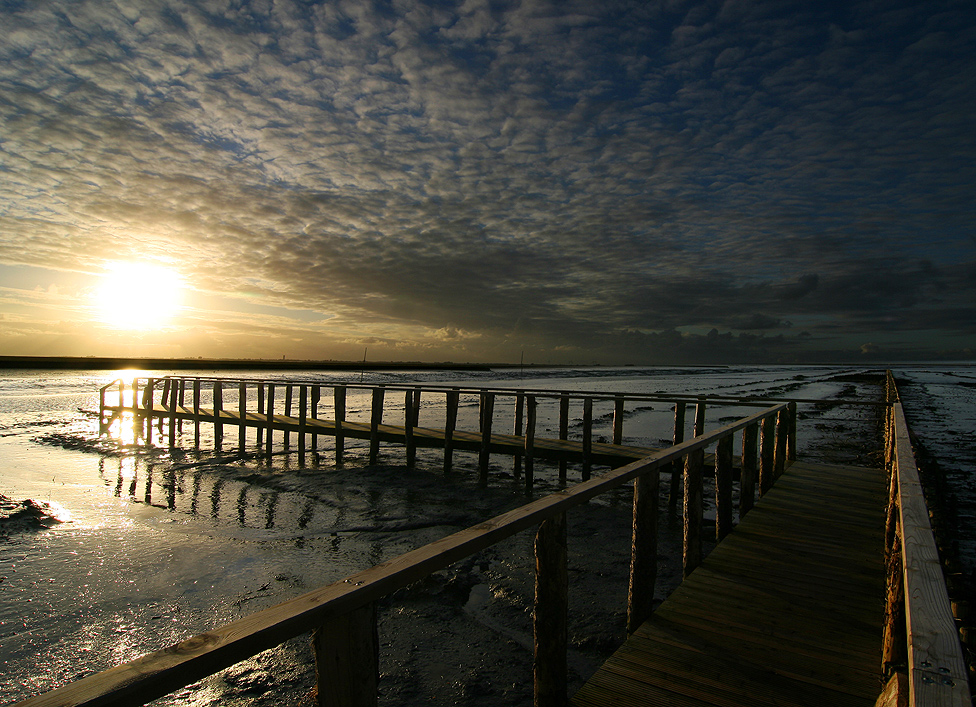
{"x": 343, "y": 614}
{"x": 922, "y": 656}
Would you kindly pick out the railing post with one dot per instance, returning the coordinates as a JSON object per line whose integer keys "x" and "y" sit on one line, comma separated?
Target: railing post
{"x": 517, "y": 458}
{"x": 767, "y": 446}
{"x": 618, "y": 420}
{"x": 218, "y": 408}
{"x": 164, "y": 403}
{"x": 643, "y": 549}
{"x": 450, "y": 422}
{"x": 339, "y": 398}
{"x": 487, "y": 415}
{"x": 302, "y": 421}
{"x": 550, "y": 617}
{"x": 408, "y": 425}
{"x": 259, "y": 430}
{"x": 182, "y": 401}
{"x": 530, "y": 405}
{"x": 782, "y": 435}
{"x": 269, "y": 435}
{"x": 587, "y": 437}
{"x": 749, "y": 471}
{"x": 563, "y": 432}
{"x": 102, "y": 427}
{"x": 693, "y": 502}
{"x": 347, "y": 659}
{"x": 286, "y": 433}
{"x": 376, "y": 419}
{"x": 136, "y": 416}
{"x": 147, "y": 404}
{"x": 196, "y": 413}
{"x": 674, "y": 493}
{"x": 723, "y": 487}
{"x": 242, "y": 412}
{"x": 316, "y": 397}
{"x": 175, "y": 397}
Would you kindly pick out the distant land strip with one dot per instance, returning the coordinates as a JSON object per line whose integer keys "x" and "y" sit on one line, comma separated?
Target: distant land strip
{"x": 100, "y": 363}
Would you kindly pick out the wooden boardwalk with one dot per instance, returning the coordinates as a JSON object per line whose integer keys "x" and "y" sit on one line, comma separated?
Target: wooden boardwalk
{"x": 788, "y": 610}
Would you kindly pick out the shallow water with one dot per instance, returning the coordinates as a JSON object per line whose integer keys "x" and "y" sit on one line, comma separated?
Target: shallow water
{"x": 162, "y": 545}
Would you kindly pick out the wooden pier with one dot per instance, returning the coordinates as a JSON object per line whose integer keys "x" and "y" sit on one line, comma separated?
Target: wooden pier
{"x": 818, "y": 597}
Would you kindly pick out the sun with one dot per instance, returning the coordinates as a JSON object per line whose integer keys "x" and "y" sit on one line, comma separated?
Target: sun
{"x": 138, "y": 296}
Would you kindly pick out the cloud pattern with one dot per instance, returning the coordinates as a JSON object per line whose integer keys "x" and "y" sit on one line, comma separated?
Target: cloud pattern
{"x": 625, "y": 181}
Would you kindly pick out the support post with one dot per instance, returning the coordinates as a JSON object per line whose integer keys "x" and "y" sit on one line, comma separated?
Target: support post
{"x": 258, "y": 430}
{"x": 643, "y": 549}
{"x": 286, "y": 433}
{"x": 487, "y": 415}
{"x": 618, "y": 420}
{"x": 674, "y": 493}
{"x": 339, "y": 398}
{"x": 517, "y": 458}
{"x": 551, "y": 615}
{"x": 563, "y": 432}
{"x": 347, "y": 659}
{"x": 376, "y": 419}
{"x": 750, "y": 469}
{"x": 691, "y": 536}
{"x": 147, "y": 404}
{"x": 242, "y": 413}
{"x": 218, "y": 408}
{"x": 316, "y": 394}
{"x": 408, "y": 424}
{"x": 302, "y": 421}
{"x": 196, "y": 413}
{"x": 182, "y": 402}
{"x": 723, "y": 487}
{"x": 530, "y": 405}
{"x": 767, "y": 445}
{"x": 782, "y": 437}
{"x": 174, "y": 397}
{"x": 450, "y": 422}
{"x": 587, "y": 437}
{"x": 269, "y": 436}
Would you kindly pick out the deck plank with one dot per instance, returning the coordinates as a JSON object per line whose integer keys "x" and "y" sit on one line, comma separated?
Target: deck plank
{"x": 786, "y": 612}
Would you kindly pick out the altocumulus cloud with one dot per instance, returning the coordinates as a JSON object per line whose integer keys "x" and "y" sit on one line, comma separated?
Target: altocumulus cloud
{"x": 610, "y": 181}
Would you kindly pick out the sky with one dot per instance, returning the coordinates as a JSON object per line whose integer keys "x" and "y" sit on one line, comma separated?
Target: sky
{"x": 614, "y": 182}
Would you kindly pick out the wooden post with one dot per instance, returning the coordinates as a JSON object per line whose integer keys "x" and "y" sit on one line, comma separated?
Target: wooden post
{"x": 269, "y": 436}
{"x": 767, "y": 444}
{"x": 699, "y": 418}
{"x": 587, "y": 437}
{"x": 618, "y": 420}
{"x": 102, "y": 427}
{"x": 750, "y": 468}
{"x": 164, "y": 402}
{"x": 723, "y": 487}
{"x": 563, "y": 432}
{"x": 147, "y": 403}
{"x": 791, "y": 441}
{"x": 258, "y": 431}
{"x": 408, "y": 428}
{"x": 339, "y": 397}
{"x": 376, "y": 419}
{"x": 242, "y": 412}
{"x": 182, "y": 401}
{"x": 517, "y": 458}
{"x": 550, "y": 617}
{"x": 173, "y": 399}
{"x": 196, "y": 413}
{"x": 450, "y": 422}
{"x": 314, "y": 404}
{"x": 674, "y": 492}
{"x": 302, "y": 420}
{"x": 286, "y": 434}
{"x": 218, "y": 408}
{"x": 643, "y": 549}
{"x": 530, "y": 404}
{"x": 487, "y": 415}
{"x": 347, "y": 659}
{"x": 136, "y": 416}
{"x": 691, "y": 536}
{"x": 782, "y": 434}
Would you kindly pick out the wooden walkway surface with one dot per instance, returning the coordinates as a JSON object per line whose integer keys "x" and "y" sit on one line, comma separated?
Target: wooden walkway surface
{"x": 786, "y": 611}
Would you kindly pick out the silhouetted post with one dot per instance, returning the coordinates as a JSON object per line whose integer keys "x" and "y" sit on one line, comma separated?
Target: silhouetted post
{"x": 677, "y": 465}
{"x": 242, "y": 413}
{"x": 550, "y": 617}
{"x": 618, "y": 420}
{"x": 450, "y": 422}
{"x": 174, "y": 397}
{"x": 182, "y": 401}
{"x": 782, "y": 436}
{"x": 286, "y": 434}
{"x": 218, "y": 408}
{"x": 517, "y": 458}
{"x": 147, "y": 404}
{"x": 587, "y": 437}
{"x": 196, "y": 413}
{"x": 643, "y": 549}
{"x": 723, "y": 487}
{"x": 339, "y": 398}
{"x": 693, "y": 502}
{"x": 258, "y": 431}
{"x": 302, "y": 421}
{"x": 487, "y": 416}
{"x": 767, "y": 445}
{"x": 563, "y": 431}
{"x": 164, "y": 402}
{"x": 376, "y": 419}
{"x": 750, "y": 465}
{"x": 314, "y": 404}
{"x": 269, "y": 436}
{"x": 347, "y": 659}
{"x": 530, "y": 404}
{"x": 408, "y": 428}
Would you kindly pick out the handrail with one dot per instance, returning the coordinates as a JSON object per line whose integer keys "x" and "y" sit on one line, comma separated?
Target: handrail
{"x": 350, "y": 602}
{"x": 920, "y": 633}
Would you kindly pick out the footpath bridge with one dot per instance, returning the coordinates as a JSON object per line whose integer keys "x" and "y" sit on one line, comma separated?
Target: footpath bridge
{"x": 820, "y": 596}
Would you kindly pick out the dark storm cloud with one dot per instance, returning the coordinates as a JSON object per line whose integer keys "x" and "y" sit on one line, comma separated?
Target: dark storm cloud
{"x": 581, "y": 176}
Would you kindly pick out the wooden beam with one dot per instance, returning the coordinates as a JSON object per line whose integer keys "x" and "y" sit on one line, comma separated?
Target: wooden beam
{"x": 347, "y": 659}
{"x": 643, "y": 550}
{"x": 550, "y": 618}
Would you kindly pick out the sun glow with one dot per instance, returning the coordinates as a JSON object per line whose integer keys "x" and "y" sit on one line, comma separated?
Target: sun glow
{"x": 138, "y": 296}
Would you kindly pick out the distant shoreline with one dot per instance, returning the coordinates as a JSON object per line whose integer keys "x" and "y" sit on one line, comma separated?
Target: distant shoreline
{"x": 104, "y": 363}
